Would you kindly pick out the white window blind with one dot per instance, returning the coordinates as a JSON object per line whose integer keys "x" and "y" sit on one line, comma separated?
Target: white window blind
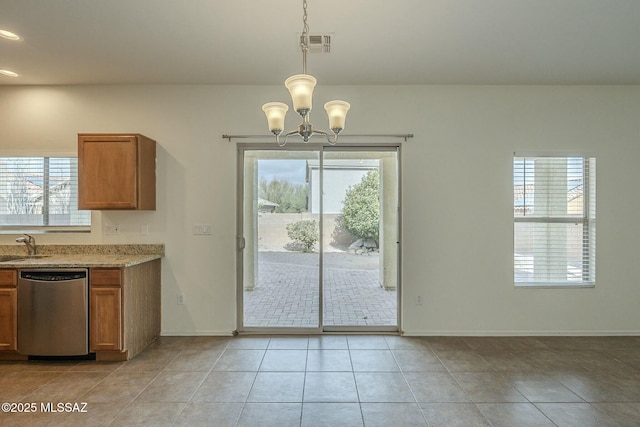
{"x": 554, "y": 210}
{"x": 40, "y": 193}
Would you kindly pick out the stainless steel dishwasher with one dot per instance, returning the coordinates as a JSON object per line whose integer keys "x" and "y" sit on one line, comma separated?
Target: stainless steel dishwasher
{"x": 53, "y": 312}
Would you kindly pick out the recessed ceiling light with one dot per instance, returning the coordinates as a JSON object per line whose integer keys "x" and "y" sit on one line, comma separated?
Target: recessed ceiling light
{"x": 9, "y": 35}
{"x": 9, "y": 73}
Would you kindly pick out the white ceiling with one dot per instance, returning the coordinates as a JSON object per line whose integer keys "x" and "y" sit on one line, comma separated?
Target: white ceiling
{"x": 374, "y": 41}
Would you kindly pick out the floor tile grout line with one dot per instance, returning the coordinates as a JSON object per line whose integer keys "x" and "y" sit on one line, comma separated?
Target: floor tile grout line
{"x": 529, "y": 401}
{"x": 415, "y": 399}
{"x": 570, "y": 403}
{"x": 304, "y": 382}
{"x": 211, "y": 369}
{"x": 60, "y": 373}
{"x": 253, "y": 383}
{"x": 145, "y": 387}
{"x": 124, "y": 407}
{"x": 195, "y": 390}
{"x": 164, "y": 369}
{"x": 546, "y": 416}
{"x": 457, "y": 382}
{"x": 355, "y": 383}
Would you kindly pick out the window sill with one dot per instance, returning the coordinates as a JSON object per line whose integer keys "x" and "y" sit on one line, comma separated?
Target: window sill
{"x": 43, "y": 230}
{"x": 525, "y": 285}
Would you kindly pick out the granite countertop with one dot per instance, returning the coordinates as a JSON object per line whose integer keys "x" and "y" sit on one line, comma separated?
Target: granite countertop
{"x": 80, "y": 256}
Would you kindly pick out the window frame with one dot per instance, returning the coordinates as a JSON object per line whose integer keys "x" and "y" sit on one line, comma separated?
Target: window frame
{"x": 47, "y": 228}
{"x": 587, "y": 219}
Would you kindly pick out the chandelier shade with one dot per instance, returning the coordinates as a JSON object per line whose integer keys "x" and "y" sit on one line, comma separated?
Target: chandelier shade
{"x": 300, "y": 88}
{"x": 337, "y": 112}
{"x": 275, "y": 112}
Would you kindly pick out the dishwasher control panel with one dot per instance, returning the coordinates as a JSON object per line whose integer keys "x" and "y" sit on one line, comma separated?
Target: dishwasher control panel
{"x": 53, "y": 276}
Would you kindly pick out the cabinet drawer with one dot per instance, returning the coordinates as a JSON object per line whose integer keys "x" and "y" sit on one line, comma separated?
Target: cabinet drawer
{"x": 8, "y": 278}
{"x": 105, "y": 277}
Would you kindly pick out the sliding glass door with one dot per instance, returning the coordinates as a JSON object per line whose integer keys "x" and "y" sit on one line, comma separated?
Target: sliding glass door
{"x": 360, "y": 235}
{"x": 318, "y": 239}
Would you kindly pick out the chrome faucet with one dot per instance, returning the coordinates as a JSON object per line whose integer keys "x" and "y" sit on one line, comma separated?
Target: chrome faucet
{"x": 30, "y": 242}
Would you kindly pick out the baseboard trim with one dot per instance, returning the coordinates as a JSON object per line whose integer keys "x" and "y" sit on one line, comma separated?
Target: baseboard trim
{"x": 178, "y": 333}
{"x": 521, "y": 333}
{"x": 173, "y": 333}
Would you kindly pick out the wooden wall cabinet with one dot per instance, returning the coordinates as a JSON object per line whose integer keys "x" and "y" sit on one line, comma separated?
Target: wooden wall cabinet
{"x": 125, "y": 310}
{"x": 116, "y": 171}
{"x": 8, "y": 310}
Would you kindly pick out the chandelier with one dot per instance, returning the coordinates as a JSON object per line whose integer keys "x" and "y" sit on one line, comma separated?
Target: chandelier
{"x": 300, "y": 88}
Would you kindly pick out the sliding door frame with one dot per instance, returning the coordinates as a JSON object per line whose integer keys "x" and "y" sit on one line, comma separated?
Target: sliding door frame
{"x": 321, "y": 148}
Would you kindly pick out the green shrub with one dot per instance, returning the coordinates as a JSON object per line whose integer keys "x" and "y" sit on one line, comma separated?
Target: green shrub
{"x": 304, "y": 232}
{"x": 361, "y": 209}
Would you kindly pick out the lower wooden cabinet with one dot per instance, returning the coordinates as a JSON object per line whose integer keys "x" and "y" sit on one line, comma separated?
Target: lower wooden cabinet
{"x": 106, "y": 319}
{"x": 124, "y": 310}
{"x": 8, "y": 319}
{"x": 105, "y": 308}
{"x": 8, "y": 310}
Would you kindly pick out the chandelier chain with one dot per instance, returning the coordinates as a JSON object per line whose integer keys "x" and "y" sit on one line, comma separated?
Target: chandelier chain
{"x": 305, "y": 27}
{"x": 304, "y": 39}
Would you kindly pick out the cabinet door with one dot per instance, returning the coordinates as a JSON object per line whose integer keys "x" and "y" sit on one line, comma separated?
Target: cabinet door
{"x": 8, "y": 278}
{"x": 107, "y": 172}
{"x": 8, "y": 318}
{"x": 106, "y": 319}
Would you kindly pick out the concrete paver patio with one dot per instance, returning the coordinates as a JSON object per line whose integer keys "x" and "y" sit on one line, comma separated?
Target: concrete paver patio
{"x": 286, "y": 294}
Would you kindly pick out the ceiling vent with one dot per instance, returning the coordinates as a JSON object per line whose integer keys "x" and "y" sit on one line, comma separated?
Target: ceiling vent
{"x": 318, "y": 43}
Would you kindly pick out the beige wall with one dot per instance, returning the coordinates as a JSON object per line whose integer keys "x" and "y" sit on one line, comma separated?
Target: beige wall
{"x": 459, "y": 260}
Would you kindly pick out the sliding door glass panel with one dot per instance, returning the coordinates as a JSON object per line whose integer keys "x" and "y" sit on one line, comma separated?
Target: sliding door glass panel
{"x": 281, "y": 260}
{"x": 359, "y": 205}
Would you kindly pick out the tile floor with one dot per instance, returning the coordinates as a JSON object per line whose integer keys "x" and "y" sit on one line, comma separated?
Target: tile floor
{"x": 340, "y": 380}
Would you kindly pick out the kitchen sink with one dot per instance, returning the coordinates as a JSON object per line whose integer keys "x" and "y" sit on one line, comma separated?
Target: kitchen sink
{"x": 7, "y": 258}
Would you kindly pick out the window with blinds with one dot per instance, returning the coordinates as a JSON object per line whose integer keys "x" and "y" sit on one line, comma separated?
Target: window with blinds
{"x": 40, "y": 193}
{"x": 554, "y": 212}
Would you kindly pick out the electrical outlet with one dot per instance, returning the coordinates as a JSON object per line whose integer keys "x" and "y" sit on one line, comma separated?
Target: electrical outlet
{"x": 112, "y": 229}
{"x": 180, "y": 299}
{"x": 144, "y": 229}
{"x": 419, "y": 300}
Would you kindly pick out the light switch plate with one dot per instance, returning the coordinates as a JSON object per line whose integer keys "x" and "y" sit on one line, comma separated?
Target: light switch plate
{"x": 202, "y": 229}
